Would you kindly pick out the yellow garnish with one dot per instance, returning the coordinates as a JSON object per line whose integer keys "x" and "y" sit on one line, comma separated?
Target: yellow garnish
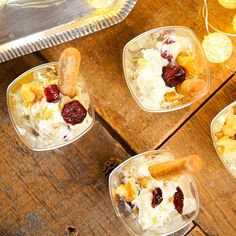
{"x": 128, "y": 191}
{"x": 142, "y": 62}
{"x": 31, "y": 92}
{"x": 47, "y": 114}
{"x": 186, "y": 60}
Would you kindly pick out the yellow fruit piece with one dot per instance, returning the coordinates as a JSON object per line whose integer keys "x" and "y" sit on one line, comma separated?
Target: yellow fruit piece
{"x": 227, "y": 146}
{"x": 47, "y": 114}
{"x": 229, "y": 128}
{"x": 128, "y": 191}
{"x": 31, "y": 92}
{"x": 186, "y": 60}
{"x": 142, "y": 62}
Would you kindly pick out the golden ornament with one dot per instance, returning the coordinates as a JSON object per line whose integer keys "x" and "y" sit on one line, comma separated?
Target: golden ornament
{"x": 230, "y": 4}
{"x": 217, "y": 47}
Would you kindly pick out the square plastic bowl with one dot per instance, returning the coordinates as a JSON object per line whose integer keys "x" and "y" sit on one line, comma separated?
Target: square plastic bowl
{"x": 177, "y": 226}
{"x": 146, "y": 91}
{"x": 216, "y": 126}
{"x": 22, "y": 124}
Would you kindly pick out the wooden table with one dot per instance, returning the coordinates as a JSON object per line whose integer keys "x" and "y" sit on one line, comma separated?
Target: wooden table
{"x": 47, "y": 193}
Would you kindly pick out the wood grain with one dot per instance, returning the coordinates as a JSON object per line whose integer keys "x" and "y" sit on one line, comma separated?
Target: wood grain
{"x": 102, "y": 68}
{"x": 44, "y": 193}
{"x": 217, "y": 188}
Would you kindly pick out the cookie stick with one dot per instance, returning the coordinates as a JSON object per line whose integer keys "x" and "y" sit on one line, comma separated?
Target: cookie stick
{"x": 68, "y": 71}
{"x": 171, "y": 169}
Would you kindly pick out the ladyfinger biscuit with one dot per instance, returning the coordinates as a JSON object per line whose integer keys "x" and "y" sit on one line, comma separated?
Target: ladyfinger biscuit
{"x": 171, "y": 169}
{"x": 68, "y": 71}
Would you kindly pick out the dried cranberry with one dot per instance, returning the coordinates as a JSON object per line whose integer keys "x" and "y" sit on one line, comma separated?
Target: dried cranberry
{"x": 173, "y": 75}
{"x": 156, "y": 197}
{"x": 73, "y": 112}
{"x": 52, "y": 93}
{"x": 168, "y": 41}
{"x": 166, "y": 55}
{"x": 179, "y": 200}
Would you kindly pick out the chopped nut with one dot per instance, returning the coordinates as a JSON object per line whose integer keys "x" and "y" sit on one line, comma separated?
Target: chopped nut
{"x": 171, "y": 96}
{"x": 219, "y": 134}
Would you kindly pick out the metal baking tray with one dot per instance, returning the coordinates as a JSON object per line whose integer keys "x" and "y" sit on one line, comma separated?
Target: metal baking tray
{"x": 25, "y": 29}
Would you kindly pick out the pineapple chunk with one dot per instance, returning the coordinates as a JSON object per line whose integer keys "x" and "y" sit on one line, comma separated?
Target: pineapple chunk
{"x": 229, "y": 129}
{"x": 31, "y": 92}
{"x": 128, "y": 191}
{"x": 142, "y": 62}
{"x": 186, "y": 60}
{"x": 227, "y": 146}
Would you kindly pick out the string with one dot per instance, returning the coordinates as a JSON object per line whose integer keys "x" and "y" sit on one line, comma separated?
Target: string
{"x": 207, "y": 24}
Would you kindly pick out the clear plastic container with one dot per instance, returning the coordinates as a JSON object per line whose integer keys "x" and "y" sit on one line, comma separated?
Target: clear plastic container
{"x": 178, "y": 225}
{"x": 33, "y": 3}
{"x": 215, "y": 125}
{"x": 149, "y": 40}
{"x": 22, "y": 123}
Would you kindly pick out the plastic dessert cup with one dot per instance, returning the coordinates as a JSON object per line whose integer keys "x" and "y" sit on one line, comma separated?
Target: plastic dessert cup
{"x": 213, "y": 125}
{"x": 148, "y": 40}
{"x": 175, "y": 226}
{"x": 19, "y": 126}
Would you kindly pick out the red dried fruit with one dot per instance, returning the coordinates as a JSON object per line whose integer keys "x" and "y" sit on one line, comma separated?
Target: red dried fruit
{"x": 166, "y": 55}
{"x": 173, "y": 75}
{"x": 157, "y": 197}
{"x": 52, "y": 93}
{"x": 179, "y": 200}
{"x": 168, "y": 41}
{"x": 73, "y": 112}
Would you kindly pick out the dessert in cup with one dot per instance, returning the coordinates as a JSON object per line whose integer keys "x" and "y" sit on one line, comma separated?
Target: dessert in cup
{"x": 154, "y": 194}
{"x": 50, "y": 105}
{"x": 166, "y": 69}
{"x": 223, "y": 131}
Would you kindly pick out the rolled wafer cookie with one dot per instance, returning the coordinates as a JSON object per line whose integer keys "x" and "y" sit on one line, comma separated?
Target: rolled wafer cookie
{"x": 172, "y": 169}
{"x": 68, "y": 71}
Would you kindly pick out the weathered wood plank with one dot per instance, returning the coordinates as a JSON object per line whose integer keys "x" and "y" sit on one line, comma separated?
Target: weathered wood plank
{"x": 44, "y": 193}
{"x": 102, "y": 68}
{"x": 217, "y": 188}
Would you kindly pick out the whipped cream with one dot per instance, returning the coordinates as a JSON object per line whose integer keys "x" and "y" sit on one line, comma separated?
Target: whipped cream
{"x": 147, "y": 81}
{"x": 156, "y": 218}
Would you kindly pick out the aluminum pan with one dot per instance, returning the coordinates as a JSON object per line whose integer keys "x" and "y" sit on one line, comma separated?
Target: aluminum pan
{"x": 25, "y": 30}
